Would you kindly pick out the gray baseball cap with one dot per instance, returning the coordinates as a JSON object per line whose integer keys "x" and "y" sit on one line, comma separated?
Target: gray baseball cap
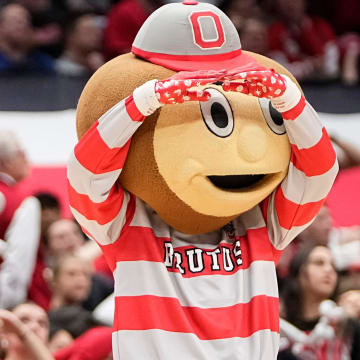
{"x": 191, "y": 36}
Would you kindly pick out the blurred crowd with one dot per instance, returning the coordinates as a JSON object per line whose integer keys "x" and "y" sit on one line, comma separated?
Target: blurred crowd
{"x": 56, "y": 290}
{"x": 315, "y": 40}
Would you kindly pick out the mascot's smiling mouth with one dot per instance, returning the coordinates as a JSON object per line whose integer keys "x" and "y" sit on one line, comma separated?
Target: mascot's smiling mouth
{"x": 234, "y": 182}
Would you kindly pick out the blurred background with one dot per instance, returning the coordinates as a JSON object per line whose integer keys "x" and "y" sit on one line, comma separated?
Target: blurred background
{"x": 50, "y": 48}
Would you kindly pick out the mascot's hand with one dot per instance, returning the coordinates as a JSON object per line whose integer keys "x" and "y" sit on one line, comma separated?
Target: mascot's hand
{"x": 175, "y": 90}
{"x": 282, "y": 91}
{"x": 262, "y": 83}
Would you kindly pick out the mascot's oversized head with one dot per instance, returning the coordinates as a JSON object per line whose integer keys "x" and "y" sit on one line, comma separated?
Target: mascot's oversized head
{"x": 198, "y": 165}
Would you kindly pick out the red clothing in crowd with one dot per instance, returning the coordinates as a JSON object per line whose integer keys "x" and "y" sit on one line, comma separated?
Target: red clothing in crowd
{"x": 310, "y": 40}
{"x": 39, "y": 290}
{"x": 346, "y": 16}
{"x": 95, "y": 344}
{"x": 124, "y": 21}
{"x": 13, "y": 197}
{"x": 19, "y": 235}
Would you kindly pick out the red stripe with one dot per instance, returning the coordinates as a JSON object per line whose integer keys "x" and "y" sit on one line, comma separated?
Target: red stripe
{"x": 101, "y": 212}
{"x": 294, "y": 113}
{"x": 316, "y": 160}
{"x": 94, "y": 154}
{"x": 108, "y": 250}
{"x": 241, "y": 320}
{"x": 140, "y": 243}
{"x": 217, "y": 57}
{"x": 133, "y": 110}
{"x": 292, "y": 214}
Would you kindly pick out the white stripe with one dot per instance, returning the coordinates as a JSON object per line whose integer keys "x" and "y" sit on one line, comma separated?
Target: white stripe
{"x": 145, "y": 216}
{"x": 96, "y": 186}
{"x": 159, "y": 344}
{"x": 116, "y": 127}
{"x": 2, "y": 202}
{"x": 115, "y": 347}
{"x": 306, "y": 130}
{"x": 289, "y": 99}
{"x": 279, "y": 236}
{"x": 109, "y": 232}
{"x": 3, "y": 246}
{"x": 250, "y": 220}
{"x": 205, "y": 241}
{"x": 152, "y": 278}
{"x": 22, "y": 237}
{"x": 301, "y": 189}
{"x": 145, "y": 98}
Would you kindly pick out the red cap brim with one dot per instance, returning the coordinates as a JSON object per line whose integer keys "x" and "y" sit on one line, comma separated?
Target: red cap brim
{"x": 234, "y": 60}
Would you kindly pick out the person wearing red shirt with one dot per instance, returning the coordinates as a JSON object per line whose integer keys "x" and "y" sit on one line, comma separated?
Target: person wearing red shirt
{"x": 123, "y": 22}
{"x": 95, "y": 344}
{"x": 19, "y": 223}
{"x": 305, "y": 45}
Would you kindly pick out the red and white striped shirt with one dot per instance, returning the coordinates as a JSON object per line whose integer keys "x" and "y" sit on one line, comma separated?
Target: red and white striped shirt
{"x": 211, "y": 296}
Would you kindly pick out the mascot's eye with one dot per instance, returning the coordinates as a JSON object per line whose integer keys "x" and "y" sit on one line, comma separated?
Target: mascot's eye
{"x": 217, "y": 114}
{"x": 273, "y": 118}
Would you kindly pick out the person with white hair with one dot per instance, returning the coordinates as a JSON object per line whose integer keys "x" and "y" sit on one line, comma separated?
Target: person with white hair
{"x": 19, "y": 223}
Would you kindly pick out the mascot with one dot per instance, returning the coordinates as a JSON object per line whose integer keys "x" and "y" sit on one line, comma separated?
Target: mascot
{"x": 197, "y": 164}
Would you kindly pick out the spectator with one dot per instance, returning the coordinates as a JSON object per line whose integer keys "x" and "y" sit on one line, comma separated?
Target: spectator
{"x": 39, "y": 290}
{"x": 50, "y": 211}
{"x": 19, "y": 223}
{"x": 83, "y": 42}
{"x": 346, "y": 16}
{"x": 350, "y": 301}
{"x": 71, "y": 281}
{"x": 254, "y": 36}
{"x": 240, "y": 11}
{"x": 123, "y": 22}
{"x": 313, "y": 279}
{"x": 72, "y": 322}
{"x": 72, "y": 319}
{"x": 17, "y": 44}
{"x": 347, "y": 153}
{"x": 318, "y": 232}
{"x": 47, "y": 18}
{"x": 344, "y": 242}
{"x": 78, "y": 291}
{"x": 85, "y": 6}
{"x": 95, "y": 344}
{"x": 350, "y": 58}
{"x": 64, "y": 236}
{"x": 305, "y": 45}
{"x": 59, "y": 340}
{"x": 24, "y": 333}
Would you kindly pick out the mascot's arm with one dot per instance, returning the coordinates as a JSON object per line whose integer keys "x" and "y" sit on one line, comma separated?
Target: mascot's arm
{"x": 312, "y": 169}
{"x": 313, "y": 165}
{"x": 97, "y": 201}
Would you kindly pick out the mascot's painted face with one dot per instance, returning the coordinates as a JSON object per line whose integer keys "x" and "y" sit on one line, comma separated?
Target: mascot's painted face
{"x": 198, "y": 165}
{"x": 223, "y": 156}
